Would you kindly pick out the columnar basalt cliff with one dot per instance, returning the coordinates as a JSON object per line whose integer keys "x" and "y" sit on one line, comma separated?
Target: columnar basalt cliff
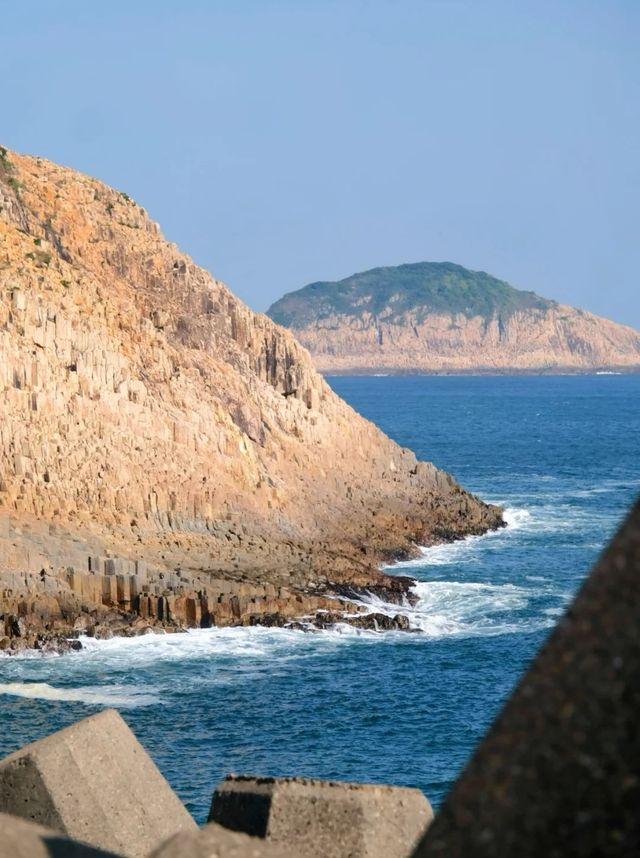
{"x": 165, "y": 451}
{"x": 440, "y": 317}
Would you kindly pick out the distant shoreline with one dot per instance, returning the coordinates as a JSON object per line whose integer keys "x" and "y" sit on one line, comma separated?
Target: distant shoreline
{"x": 477, "y": 371}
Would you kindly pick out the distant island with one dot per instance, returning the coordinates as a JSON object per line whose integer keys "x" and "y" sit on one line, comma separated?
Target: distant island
{"x": 438, "y": 317}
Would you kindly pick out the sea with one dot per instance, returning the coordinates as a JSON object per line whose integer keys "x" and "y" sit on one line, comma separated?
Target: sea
{"x": 561, "y": 455}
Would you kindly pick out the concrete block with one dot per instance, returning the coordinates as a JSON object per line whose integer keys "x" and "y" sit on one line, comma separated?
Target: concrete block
{"x": 324, "y": 819}
{"x": 94, "y": 782}
{"x": 214, "y": 841}
{"x": 22, "y": 839}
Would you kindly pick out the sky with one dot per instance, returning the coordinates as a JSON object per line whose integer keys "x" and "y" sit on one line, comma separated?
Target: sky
{"x": 283, "y": 142}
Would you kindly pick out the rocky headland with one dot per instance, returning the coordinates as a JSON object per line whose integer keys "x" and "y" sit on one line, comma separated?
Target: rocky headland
{"x": 169, "y": 458}
{"x": 437, "y": 317}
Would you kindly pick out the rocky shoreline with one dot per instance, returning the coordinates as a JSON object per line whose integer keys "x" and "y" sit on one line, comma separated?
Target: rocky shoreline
{"x": 34, "y": 624}
{"x": 170, "y": 459}
{"x": 50, "y": 614}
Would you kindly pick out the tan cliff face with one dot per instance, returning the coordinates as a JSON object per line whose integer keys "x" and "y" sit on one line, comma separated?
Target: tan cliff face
{"x": 558, "y": 337}
{"x": 147, "y": 414}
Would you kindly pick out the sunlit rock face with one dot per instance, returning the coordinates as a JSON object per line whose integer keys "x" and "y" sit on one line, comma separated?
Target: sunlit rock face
{"x": 148, "y": 415}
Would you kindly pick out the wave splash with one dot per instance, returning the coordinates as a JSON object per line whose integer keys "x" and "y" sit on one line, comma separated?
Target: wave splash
{"x": 464, "y": 550}
{"x": 470, "y": 609}
{"x": 444, "y": 608}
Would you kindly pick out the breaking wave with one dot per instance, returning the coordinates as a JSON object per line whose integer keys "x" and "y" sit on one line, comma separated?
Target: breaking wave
{"x": 464, "y": 550}
{"x": 473, "y": 609}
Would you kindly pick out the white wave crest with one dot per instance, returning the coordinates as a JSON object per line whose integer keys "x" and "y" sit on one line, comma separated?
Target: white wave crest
{"x": 245, "y": 645}
{"x": 465, "y": 550}
{"x": 121, "y": 697}
{"x": 468, "y": 609}
{"x": 515, "y": 518}
{"x": 242, "y": 653}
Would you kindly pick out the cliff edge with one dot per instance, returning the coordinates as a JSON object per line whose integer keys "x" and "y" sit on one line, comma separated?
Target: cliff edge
{"x": 162, "y": 443}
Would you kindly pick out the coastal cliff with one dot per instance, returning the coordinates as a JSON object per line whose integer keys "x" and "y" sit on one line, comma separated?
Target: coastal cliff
{"x": 166, "y": 454}
{"x": 441, "y": 317}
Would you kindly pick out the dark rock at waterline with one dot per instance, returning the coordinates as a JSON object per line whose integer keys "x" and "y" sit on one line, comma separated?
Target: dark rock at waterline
{"x": 43, "y": 642}
{"x": 323, "y": 620}
{"x": 381, "y": 622}
{"x": 15, "y": 626}
{"x": 57, "y": 645}
{"x": 275, "y": 620}
{"x": 397, "y": 590}
{"x": 248, "y": 606}
{"x": 374, "y": 621}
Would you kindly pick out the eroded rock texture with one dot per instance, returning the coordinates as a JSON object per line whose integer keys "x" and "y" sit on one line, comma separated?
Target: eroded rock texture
{"x": 156, "y": 429}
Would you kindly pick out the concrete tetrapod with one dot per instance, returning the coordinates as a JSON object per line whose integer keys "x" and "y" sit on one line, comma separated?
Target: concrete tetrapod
{"x": 214, "y": 841}
{"x": 558, "y": 773}
{"x": 22, "y": 839}
{"x": 324, "y": 819}
{"x": 95, "y": 783}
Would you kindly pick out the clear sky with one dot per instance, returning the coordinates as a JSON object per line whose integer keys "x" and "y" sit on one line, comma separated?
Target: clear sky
{"x": 282, "y": 142}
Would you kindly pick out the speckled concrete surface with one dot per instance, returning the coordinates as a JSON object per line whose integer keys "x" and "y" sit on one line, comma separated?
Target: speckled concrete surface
{"x": 323, "y": 819}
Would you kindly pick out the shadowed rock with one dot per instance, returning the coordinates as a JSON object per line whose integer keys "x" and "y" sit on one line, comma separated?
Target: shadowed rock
{"x": 21, "y": 839}
{"x": 323, "y": 818}
{"x": 559, "y": 772}
{"x": 95, "y": 783}
{"x": 214, "y": 841}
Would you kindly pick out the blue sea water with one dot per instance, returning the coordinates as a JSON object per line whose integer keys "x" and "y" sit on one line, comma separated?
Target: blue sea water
{"x": 562, "y": 454}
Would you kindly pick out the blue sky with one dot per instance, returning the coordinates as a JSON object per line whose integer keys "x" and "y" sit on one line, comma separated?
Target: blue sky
{"x": 285, "y": 142}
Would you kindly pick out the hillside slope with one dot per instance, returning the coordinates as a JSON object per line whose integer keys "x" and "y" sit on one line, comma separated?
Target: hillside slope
{"x": 151, "y": 421}
{"x": 437, "y": 316}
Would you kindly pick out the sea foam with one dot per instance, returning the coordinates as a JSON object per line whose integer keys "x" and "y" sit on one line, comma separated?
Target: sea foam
{"x": 464, "y": 550}
{"x": 119, "y": 696}
{"x": 470, "y": 609}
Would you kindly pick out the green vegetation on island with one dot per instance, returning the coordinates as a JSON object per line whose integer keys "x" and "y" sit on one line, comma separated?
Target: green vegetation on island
{"x": 421, "y": 288}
